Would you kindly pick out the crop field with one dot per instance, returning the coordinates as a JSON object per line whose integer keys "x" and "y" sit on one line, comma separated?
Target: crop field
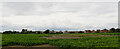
{"x": 62, "y": 40}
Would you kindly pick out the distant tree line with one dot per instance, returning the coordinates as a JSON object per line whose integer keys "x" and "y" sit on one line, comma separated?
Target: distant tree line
{"x": 114, "y": 30}
{"x": 25, "y": 31}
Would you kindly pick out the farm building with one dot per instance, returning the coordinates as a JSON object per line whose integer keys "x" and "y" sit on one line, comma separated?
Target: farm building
{"x": 104, "y": 30}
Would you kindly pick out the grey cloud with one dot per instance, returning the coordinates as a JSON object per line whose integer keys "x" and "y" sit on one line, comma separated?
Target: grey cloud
{"x": 27, "y": 8}
{"x": 46, "y": 8}
{"x": 17, "y": 8}
{"x": 91, "y": 12}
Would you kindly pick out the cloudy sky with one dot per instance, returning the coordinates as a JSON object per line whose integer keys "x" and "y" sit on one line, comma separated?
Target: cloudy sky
{"x": 59, "y": 15}
{"x": 59, "y": 0}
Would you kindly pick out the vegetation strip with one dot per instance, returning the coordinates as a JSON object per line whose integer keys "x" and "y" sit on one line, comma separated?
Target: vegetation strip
{"x": 106, "y": 40}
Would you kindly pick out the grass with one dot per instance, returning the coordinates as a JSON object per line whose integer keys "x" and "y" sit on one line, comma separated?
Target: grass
{"x": 87, "y": 40}
{"x": 0, "y": 39}
{"x": 24, "y": 39}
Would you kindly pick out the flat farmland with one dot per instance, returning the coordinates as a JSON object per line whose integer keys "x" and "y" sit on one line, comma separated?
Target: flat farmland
{"x": 61, "y": 40}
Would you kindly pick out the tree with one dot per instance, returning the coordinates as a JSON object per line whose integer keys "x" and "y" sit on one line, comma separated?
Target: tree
{"x": 60, "y": 32}
{"x": 24, "y": 31}
{"x": 81, "y": 32}
{"x": 118, "y": 30}
{"x": 52, "y": 32}
{"x": 47, "y": 31}
{"x": 15, "y": 32}
{"x": 98, "y": 31}
{"x": 30, "y": 32}
{"x": 39, "y": 32}
{"x": 7, "y": 32}
{"x": 112, "y": 30}
{"x": 66, "y": 31}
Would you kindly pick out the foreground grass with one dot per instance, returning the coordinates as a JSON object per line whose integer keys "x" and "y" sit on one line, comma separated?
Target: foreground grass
{"x": 88, "y": 40}
{"x": 24, "y": 39}
{"x": 0, "y": 39}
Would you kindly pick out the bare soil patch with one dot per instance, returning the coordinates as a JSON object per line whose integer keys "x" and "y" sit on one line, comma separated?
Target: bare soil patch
{"x": 106, "y": 35}
{"x": 60, "y": 37}
{"x": 75, "y": 36}
{"x": 45, "y": 45}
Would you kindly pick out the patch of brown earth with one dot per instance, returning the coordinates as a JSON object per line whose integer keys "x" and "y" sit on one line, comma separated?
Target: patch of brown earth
{"x": 69, "y": 35}
{"x": 106, "y": 35}
{"x": 46, "y": 45}
{"x": 80, "y": 36}
{"x": 59, "y": 37}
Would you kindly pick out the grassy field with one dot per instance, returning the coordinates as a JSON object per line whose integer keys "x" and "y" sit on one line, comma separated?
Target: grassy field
{"x": 85, "y": 40}
{"x": 0, "y": 40}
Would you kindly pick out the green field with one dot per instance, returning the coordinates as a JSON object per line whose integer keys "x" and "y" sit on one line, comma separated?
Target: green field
{"x": 85, "y": 40}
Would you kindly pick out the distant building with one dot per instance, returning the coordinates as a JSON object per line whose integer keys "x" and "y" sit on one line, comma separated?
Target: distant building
{"x": 104, "y": 30}
{"x": 87, "y": 31}
{"x": 98, "y": 30}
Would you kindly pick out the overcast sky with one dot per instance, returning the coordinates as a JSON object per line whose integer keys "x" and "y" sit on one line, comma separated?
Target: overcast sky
{"x": 59, "y": 0}
{"x": 59, "y": 15}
